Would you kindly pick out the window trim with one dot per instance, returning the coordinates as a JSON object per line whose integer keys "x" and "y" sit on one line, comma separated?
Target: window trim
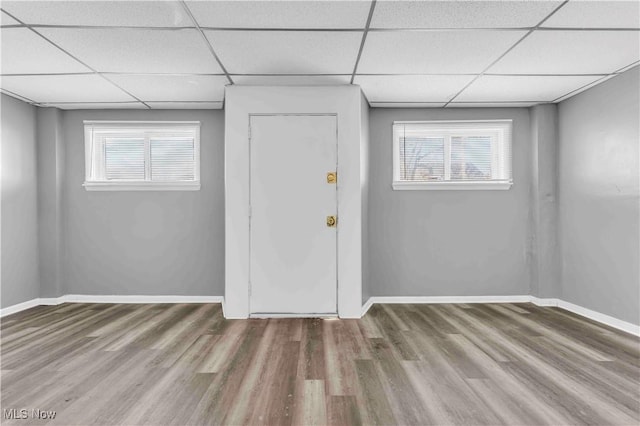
{"x": 399, "y": 184}
{"x": 150, "y": 127}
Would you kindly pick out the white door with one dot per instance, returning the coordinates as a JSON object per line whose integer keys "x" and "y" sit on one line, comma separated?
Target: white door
{"x": 293, "y": 253}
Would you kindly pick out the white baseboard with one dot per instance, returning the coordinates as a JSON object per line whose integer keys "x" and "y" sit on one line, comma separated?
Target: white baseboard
{"x": 88, "y": 298}
{"x": 601, "y": 318}
{"x": 587, "y": 313}
{"x": 450, "y": 299}
{"x": 50, "y": 300}
{"x": 576, "y": 309}
{"x": 544, "y": 301}
{"x": 19, "y": 307}
{"x": 367, "y": 305}
{"x": 444, "y": 299}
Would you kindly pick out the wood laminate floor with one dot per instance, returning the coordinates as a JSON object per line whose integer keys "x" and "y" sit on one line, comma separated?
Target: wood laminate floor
{"x": 184, "y": 364}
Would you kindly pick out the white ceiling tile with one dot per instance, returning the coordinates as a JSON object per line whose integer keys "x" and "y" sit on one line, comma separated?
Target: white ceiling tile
{"x": 491, "y": 104}
{"x": 99, "y": 105}
{"x": 7, "y": 20}
{"x": 137, "y": 50}
{"x": 460, "y": 14}
{"x": 439, "y": 52}
{"x": 291, "y": 80}
{"x": 281, "y": 14}
{"x": 490, "y": 88}
{"x": 412, "y": 88}
{"x": 65, "y": 88}
{"x": 173, "y": 87}
{"x": 571, "y": 52}
{"x": 406, "y": 105}
{"x": 597, "y": 14}
{"x": 628, "y": 67}
{"x": 586, "y": 87}
{"x": 98, "y": 13}
{"x": 24, "y": 52}
{"x": 185, "y": 105}
{"x": 280, "y": 52}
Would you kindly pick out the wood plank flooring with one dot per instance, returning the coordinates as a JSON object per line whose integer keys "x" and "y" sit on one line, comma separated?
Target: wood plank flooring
{"x": 184, "y": 364}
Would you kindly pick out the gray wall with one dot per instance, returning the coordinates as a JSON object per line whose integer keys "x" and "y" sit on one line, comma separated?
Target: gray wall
{"x": 449, "y": 243}
{"x": 599, "y": 196}
{"x": 144, "y": 243}
{"x": 19, "y": 242}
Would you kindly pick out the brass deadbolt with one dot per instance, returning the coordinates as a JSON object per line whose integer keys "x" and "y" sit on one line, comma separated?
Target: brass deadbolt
{"x": 331, "y": 221}
{"x": 332, "y": 177}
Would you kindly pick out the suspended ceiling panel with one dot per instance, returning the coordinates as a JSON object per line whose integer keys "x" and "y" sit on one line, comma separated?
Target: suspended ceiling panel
{"x": 173, "y": 87}
{"x": 281, "y": 52}
{"x": 23, "y": 51}
{"x": 438, "y": 52}
{"x": 185, "y": 105}
{"x": 522, "y": 88}
{"x": 412, "y": 88}
{"x": 6, "y": 19}
{"x": 597, "y": 14}
{"x": 447, "y": 43}
{"x": 137, "y": 50}
{"x": 99, "y": 13}
{"x": 98, "y": 105}
{"x": 585, "y": 87}
{"x": 280, "y": 14}
{"x": 635, "y": 64}
{"x": 460, "y": 14}
{"x": 296, "y": 80}
{"x": 571, "y": 52}
{"x": 65, "y": 88}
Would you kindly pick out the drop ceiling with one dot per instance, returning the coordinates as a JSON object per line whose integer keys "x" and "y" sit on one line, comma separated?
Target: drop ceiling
{"x": 174, "y": 54}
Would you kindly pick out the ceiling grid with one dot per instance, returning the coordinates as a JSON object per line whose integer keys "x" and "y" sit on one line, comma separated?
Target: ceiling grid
{"x": 402, "y": 54}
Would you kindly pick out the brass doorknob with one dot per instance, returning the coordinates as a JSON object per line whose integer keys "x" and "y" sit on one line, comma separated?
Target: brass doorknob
{"x": 331, "y": 221}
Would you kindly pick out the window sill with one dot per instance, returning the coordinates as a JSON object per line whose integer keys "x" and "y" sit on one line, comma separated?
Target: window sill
{"x": 142, "y": 186}
{"x": 445, "y": 186}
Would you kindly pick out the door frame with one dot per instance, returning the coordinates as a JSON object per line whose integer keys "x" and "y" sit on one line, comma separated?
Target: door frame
{"x": 283, "y": 314}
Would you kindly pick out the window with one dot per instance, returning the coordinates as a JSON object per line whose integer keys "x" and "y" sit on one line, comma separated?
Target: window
{"x": 452, "y": 155}
{"x": 134, "y": 156}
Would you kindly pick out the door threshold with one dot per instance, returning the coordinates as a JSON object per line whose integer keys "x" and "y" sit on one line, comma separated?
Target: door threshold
{"x": 266, "y": 315}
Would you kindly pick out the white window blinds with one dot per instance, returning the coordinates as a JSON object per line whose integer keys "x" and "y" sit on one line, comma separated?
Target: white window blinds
{"x": 142, "y": 155}
{"x": 452, "y": 155}
{"x": 172, "y": 159}
{"x": 124, "y": 159}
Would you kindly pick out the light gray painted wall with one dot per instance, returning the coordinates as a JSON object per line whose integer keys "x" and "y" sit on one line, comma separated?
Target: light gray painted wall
{"x": 599, "y": 196}
{"x": 50, "y": 153}
{"x": 545, "y": 253}
{"x": 144, "y": 243}
{"x": 449, "y": 243}
{"x": 20, "y": 276}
